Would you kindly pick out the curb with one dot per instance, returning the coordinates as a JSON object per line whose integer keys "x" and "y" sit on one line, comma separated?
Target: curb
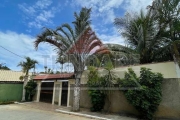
{"x": 83, "y": 115}
{"x": 21, "y": 102}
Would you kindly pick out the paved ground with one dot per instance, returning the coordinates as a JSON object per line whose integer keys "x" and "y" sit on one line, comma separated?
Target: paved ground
{"x": 22, "y": 112}
{"x": 50, "y": 107}
{"x": 46, "y": 111}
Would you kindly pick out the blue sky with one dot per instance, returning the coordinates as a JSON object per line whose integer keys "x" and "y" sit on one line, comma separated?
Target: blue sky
{"x": 21, "y": 21}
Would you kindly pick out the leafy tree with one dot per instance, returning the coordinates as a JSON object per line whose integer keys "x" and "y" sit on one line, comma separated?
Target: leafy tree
{"x": 147, "y": 97}
{"x": 122, "y": 55}
{"x": 57, "y": 72}
{"x": 3, "y": 67}
{"x": 167, "y": 19}
{"x": 76, "y": 43}
{"x": 119, "y": 55}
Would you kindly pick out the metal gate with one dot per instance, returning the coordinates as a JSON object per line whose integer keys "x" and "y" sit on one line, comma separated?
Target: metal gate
{"x": 46, "y": 92}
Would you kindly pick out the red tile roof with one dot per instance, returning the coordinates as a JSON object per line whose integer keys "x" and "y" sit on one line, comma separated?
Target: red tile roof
{"x": 54, "y": 76}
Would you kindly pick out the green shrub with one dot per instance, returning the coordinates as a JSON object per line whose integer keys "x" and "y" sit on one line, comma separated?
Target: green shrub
{"x": 97, "y": 100}
{"x": 97, "y": 96}
{"x": 30, "y": 90}
{"x": 100, "y": 87}
{"x": 146, "y": 97}
{"x": 21, "y": 77}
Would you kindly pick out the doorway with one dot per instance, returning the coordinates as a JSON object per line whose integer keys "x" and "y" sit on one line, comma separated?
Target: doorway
{"x": 64, "y": 93}
{"x": 46, "y": 92}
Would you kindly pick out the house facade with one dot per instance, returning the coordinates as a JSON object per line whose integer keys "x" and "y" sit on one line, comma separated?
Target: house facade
{"x": 58, "y": 89}
{"x": 54, "y": 88}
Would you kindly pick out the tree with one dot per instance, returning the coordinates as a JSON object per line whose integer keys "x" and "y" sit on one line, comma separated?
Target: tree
{"x": 167, "y": 18}
{"x": 50, "y": 71}
{"x": 26, "y": 66}
{"x": 118, "y": 54}
{"x": 141, "y": 34}
{"x": 154, "y": 34}
{"x": 76, "y": 43}
{"x": 4, "y": 67}
{"x": 62, "y": 59}
{"x": 45, "y": 67}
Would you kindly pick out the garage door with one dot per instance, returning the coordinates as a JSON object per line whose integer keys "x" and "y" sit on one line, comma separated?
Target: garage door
{"x": 46, "y": 92}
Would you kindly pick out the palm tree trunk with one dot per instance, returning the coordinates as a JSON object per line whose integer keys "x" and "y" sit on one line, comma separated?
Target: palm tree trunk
{"x": 24, "y": 84}
{"x": 34, "y": 69}
{"x": 76, "y": 97}
{"x": 62, "y": 69}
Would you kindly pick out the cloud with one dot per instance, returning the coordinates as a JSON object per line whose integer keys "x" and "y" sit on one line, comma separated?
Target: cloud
{"x": 114, "y": 39}
{"x": 27, "y": 9}
{"x": 101, "y": 8}
{"x": 107, "y": 10}
{"x": 136, "y": 5}
{"x": 22, "y": 45}
{"x": 39, "y": 14}
{"x": 43, "y": 3}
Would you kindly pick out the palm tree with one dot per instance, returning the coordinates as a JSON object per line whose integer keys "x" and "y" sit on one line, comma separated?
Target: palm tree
{"x": 75, "y": 43}
{"x": 141, "y": 34}
{"x": 155, "y": 34}
{"x": 45, "y": 67}
{"x": 26, "y": 66}
{"x": 62, "y": 59}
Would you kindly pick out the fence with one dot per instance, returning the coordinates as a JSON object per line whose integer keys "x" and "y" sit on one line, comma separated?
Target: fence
{"x": 11, "y": 91}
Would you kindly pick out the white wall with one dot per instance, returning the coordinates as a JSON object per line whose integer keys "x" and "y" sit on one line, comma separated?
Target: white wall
{"x": 168, "y": 69}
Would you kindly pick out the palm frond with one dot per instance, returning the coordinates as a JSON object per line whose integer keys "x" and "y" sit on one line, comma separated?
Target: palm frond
{"x": 46, "y": 36}
{"x": 27, "y": 64}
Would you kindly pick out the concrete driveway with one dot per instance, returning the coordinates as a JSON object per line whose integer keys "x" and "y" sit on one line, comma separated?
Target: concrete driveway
{"x": 21, "y": 112}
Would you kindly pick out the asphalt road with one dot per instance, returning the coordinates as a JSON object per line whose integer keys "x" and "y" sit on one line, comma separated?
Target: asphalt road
{"x": 20, "y": 112}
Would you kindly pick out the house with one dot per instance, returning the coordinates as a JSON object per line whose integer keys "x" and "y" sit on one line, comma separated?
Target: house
{"x": 54, "y": 88}
{"x": 58, "y": 89}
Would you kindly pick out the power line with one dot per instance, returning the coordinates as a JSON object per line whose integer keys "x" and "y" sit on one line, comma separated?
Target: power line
{"x": 11, "y": 52}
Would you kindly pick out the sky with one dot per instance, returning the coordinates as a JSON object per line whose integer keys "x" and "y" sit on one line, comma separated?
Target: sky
{"x": 21, "y": 21}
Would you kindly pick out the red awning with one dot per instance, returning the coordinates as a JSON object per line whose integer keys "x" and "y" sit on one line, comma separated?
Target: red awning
{"x": 54, "y": 76}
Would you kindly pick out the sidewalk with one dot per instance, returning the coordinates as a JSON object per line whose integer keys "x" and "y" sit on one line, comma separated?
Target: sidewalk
{"x": 83, "y": 112}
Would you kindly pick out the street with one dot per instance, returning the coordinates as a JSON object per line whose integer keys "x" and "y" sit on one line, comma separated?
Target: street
{"x": 20, "y": 112}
